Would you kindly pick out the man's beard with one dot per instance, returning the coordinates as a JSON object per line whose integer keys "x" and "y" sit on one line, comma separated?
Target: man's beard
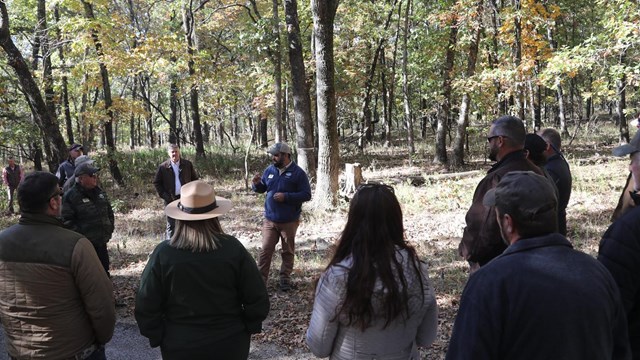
{"x": 493, "y": 153}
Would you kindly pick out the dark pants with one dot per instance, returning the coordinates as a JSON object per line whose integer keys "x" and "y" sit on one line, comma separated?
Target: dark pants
{"x": 103, "y": 255}
{"x": 171, "y": 222}
{"x": 235, "y": 347}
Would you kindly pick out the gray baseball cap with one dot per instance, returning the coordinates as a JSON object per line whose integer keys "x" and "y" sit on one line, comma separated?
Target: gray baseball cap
{"x": 85, "y": 169}
{"x": 524, "y": 192}
{"x": 630, "y": 148}
{"x": 279, "y": 148}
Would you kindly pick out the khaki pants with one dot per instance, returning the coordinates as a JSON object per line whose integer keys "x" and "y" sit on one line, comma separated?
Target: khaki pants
{"x": 271, "y": 234}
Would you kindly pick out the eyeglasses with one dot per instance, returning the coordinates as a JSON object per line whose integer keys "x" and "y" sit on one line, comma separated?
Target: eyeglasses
{"x": 495, "y": 136}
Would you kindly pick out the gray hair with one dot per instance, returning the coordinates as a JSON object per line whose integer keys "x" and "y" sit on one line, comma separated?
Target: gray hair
{"x": 552, "y": 136}
{"x": 512, "y": 128}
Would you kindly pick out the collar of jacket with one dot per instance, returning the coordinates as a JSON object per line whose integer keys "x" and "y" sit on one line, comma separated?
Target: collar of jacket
{"x": 514, "y": 155}
{"x": 39, "y": 219}
{"x": 168, "y": 163}
{"x": 553, "y": 239}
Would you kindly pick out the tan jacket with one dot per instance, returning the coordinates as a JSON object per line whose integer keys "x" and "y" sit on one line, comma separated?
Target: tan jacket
{"x": 56, "y": 298}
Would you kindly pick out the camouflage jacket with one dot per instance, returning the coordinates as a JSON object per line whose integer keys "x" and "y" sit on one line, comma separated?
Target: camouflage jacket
{"x": 88, "y": 212}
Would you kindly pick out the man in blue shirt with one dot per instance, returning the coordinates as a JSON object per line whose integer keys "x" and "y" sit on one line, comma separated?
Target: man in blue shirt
{"x": 287, "y": 187}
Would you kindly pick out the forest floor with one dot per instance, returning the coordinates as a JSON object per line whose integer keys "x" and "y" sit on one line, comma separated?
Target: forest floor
{"x": 433, "y": 208}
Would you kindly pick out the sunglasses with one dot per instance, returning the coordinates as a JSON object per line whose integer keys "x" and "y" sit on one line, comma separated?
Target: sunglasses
{"x": 495, "y": 136}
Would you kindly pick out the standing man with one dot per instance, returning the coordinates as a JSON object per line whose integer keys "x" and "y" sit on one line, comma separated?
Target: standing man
{"x": 170, "y": 177}
{"x": 11, "y": 177}
{"x": 57, "y": 303}
{"x": 66, "y": 169}
{"x": 87, "y": 210}
{"x": 632, "y": 187}
{"x": 481, "y": 240}
{"x": 540, "y": 299}
{"x": 287, "y": 187}
{"x": 620, "y": 253}
{"x": 558, "y": 168}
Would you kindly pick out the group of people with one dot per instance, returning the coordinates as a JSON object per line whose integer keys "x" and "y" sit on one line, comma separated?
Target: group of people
{"x": 202, "y": 295}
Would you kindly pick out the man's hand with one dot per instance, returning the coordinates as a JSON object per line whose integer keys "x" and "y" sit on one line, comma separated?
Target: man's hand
{"x": 256, "y": 179}
{"x": 279, "y": 197}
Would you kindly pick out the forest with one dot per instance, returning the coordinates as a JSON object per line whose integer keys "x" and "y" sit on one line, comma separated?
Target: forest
{"x": 406, "y": 88}
{"x": 326, "y": 76}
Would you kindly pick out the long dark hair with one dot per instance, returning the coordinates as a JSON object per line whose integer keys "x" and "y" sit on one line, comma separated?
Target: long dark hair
{"x": 373, "y": 234}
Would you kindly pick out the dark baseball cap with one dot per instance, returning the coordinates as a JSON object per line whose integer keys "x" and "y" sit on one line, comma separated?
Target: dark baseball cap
{"x": 85, "y": 169}
{"x": 279, "y": 148}
{"x": 525, "y": 192}
{"x": 75, "y": 147}
{"x": 630, "y": 148}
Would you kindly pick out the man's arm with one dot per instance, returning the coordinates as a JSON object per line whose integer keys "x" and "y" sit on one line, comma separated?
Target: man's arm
{"x": 69, "y": 212}
{"x": 158, "y": 183}
{"x": 5, "y": 180}
{"x": 303, "y": 191}
{"x": 95, "y": 290}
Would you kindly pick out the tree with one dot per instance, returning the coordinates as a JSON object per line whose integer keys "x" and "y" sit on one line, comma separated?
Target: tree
{"x": 106, "y": 92}
{"x": 324, "y": 12}
{"x": 301, "y": 98}
{"x": 45, "y": 121}
{"x": 465, "y": 103}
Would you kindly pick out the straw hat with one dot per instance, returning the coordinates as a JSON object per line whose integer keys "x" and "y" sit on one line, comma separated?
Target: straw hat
{"x": 198, "y": 201}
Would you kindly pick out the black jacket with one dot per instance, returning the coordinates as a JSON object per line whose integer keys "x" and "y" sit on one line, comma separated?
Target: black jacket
{"x": 559, "y": 170}
{"x": 540, "y": 299}
{"x": 88, "y": 212}
{"x": 165, "y": 181}
{"x": 620, "y": 253}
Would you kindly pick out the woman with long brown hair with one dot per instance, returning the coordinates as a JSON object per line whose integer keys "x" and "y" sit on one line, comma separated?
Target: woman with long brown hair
{"x": 374, "y": 299}
{"x": 201, "y": 295}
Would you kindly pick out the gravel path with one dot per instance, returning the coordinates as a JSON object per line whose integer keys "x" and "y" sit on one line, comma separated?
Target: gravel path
{"x": 128, "y": 344}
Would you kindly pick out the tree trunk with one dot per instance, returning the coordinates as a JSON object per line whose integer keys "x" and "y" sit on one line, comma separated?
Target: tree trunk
{"x": 64, "y": 90}
{"x": 190, "y": 37}
{"x": 366, "y": 102}
{"x": 463, "y": 117}
{"x": 324, "y": 12}
{"x": 408, "y": 119}
{"x": 443, "y": 118}
{"x": 621, "y": 85}
{"x": 277, "y": 71}
{"x": 517, "y": 60}
{"x": 44, "y": 120}
{"x": 301, "y": 98}
{"x": 174, "y": 132}
{"x": 106, "y": 89}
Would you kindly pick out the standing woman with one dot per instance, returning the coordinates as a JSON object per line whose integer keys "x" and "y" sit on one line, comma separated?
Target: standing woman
{"x": 374, "y": 299}
{"x": 201, "y": 295}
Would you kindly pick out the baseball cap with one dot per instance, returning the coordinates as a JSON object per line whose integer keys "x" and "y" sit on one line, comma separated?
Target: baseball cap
{"x": 279, "y": 148}
{"x": 83, "y": 159}
{"x": 85, "y": 169}
{"x": 523, "y": 192}
{"x": 630, "y": 148}
{"x": 75, "y": 146}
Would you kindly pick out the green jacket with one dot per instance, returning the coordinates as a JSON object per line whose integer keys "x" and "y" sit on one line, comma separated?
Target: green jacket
{"x": 88, "y": 212}
{"x": 189, "y": 299}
